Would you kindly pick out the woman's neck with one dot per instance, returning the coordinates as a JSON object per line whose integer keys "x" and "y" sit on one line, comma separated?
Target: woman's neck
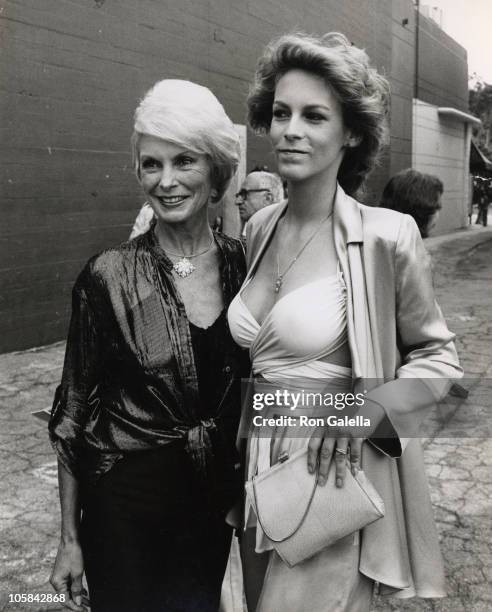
{"x": 184, "y": 238}
{"x": 310, "y": 201}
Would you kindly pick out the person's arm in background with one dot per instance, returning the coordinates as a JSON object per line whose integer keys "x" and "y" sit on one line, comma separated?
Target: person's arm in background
{"x": 143, "y": 221}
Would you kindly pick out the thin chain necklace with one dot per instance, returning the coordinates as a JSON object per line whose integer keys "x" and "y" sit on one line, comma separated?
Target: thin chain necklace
{"x": 281, "y": 276}
{"x": 184, "y": 267}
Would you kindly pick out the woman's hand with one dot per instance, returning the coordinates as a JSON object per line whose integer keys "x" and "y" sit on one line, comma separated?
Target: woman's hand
{"x": 66, "y": 577}
{"x": 344, "y": 442}
{"x": 342, "y": 447}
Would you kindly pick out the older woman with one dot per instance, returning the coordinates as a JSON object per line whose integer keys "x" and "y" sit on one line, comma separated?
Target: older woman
{"x": 145, "y": 417}
{"x": 339, "y": 294}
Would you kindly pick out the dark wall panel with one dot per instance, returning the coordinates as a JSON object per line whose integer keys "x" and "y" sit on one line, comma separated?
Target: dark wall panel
{"x": 402, "y": 84}
{"x": 442, "y": 68}
{"x": 441, "y": 79}
{"x": 71, "y": 74}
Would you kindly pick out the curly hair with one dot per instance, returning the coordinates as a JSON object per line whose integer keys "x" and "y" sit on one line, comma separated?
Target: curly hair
{"x": 414, "y": 193}
{"x": 362, "y": 92}
{"x": 190, "y": 116}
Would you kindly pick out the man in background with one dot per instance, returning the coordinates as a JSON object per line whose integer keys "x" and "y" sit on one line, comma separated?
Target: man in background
{"x": 483, "y": 200}
{"x": 259, "y": 189}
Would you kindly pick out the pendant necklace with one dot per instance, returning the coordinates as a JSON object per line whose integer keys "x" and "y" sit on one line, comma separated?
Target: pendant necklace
{"x": 184, "y": 267}
{"x": 281, "y": 275}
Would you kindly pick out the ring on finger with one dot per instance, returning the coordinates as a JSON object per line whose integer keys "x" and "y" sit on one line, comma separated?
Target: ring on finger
{"x": 341, "y": 451}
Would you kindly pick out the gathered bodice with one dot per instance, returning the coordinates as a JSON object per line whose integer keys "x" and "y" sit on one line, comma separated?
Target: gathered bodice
{"x": 303, "y": 328}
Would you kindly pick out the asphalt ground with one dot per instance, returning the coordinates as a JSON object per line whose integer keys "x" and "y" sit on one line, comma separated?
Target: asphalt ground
{"x": 458, "y": 454}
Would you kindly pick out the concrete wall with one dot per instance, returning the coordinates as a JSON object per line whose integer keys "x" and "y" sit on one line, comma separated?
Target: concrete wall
{"x": 442, "y": 77}
{"x": 440, "y": 148}
{"x": 441, "y": 145}
{"x": 71, "y": 74}
{"x": 442, "y": 68}
{"x": 226, "y": 208}
{"x": 419, "y": 139}
{"x": 402, "y": 77}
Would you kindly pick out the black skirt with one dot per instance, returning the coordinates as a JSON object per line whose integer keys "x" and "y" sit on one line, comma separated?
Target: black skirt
{"x": 150, "y": 541}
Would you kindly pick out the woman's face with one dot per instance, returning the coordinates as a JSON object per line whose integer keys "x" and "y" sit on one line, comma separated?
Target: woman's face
{"x": 307, "y": 130}
{"x": 175, "y": 180}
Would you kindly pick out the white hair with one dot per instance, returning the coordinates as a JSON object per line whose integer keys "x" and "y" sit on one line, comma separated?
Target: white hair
{"x": 190, "y": 116}
{"x": 275, "y": 184}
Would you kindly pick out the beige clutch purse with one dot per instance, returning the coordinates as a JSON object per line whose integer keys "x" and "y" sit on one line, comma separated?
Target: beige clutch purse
{"x": 301, "y": 518}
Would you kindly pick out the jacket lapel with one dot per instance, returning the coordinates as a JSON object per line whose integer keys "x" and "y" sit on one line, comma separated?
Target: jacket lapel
{"x": 348, "y": 238}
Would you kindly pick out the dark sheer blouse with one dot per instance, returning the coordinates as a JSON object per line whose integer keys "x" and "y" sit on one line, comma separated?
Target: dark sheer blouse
{"x": 129, "y": 380}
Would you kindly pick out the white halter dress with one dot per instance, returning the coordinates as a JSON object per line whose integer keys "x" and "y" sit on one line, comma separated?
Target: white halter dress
{"x": 288, "y": 350}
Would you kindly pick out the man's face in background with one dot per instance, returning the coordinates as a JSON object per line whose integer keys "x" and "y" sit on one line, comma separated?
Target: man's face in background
{"x": 254, "y": 195}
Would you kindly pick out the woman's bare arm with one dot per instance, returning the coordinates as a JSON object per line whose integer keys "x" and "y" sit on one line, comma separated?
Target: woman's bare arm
{"x": 66, "y": 577}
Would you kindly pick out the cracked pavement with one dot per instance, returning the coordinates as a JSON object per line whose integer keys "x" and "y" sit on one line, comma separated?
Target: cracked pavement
{"x": 459, "y": 466}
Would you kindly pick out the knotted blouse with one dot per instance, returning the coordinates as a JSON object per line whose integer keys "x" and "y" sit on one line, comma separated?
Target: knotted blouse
{"x": 129, "y": 380}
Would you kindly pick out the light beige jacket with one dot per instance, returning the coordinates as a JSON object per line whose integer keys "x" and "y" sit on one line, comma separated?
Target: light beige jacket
{"x": 397, "y": 336}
